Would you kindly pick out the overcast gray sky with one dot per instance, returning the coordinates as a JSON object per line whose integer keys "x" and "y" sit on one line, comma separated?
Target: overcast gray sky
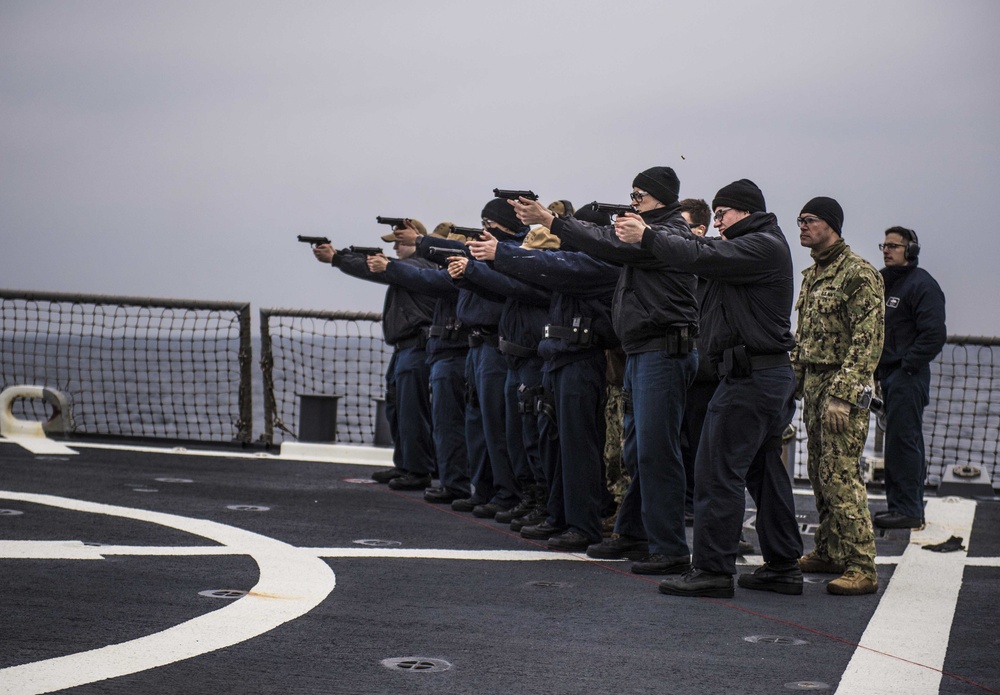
{"x": 175, "y": 149}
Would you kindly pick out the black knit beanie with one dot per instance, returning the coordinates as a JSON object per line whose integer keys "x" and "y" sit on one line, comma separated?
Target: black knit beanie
{"x": 741, "y": 195}
{"x": 828, "y": 210}
{"x": 501, "y": 212}
{"x": 661, "y": 183}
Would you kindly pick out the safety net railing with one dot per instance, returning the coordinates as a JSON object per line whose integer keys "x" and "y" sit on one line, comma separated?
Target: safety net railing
{"x": 962, "y": 422}
{"x": 182, "y": 370}
{"x": 132, "y": 367}
{"x": 320, "y": 353}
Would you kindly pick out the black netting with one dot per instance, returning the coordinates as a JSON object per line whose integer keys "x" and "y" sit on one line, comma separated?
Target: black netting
{"x": 962, "y": 421}
{"x": 131, "y": 367}
{"x": 322, "y": 353}
{"x": 182, "y": 370}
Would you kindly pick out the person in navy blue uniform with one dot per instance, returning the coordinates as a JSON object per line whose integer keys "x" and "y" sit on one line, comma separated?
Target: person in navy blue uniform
{"x": 571, "y": 424}
{"x": 746, "y": 336}
{"x": 915, "y": 333}
{"x": 656, "y": 319}
{"x": 447, "y": 349}
{"x": 406, "y": 316}
{"x": 698, "y": 215}
{"x": 520, "y": 329}
{"x": 493, "y": 477}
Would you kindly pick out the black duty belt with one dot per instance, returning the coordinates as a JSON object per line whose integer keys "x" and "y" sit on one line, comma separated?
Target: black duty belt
{"x": 419, "y": 340}
{"x": 676, "y": 341}
{"x": 478, "y": 336}
{"x": 446, "y": 333}
{"x": 737, "y": 362}
{"x": 779, "y": 359}
{"x": 577, "y": 334}
{"x": 509, "y": 348}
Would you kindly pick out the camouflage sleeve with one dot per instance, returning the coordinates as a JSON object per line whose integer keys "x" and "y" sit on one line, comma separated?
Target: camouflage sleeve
{"x": 866, "y": 315}
{"x": 795, "y": 354}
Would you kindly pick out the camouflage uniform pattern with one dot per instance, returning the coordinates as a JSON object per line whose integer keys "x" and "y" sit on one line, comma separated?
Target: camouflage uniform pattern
{"x": 618, "y": 478}
{"x": 841, "y": 312}
{"x": 845, "y": 535}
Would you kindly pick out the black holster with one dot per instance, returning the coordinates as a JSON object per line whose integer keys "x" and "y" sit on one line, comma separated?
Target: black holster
{"x": 736, "y": 362}
{"x": 527, "y": 399}
{"x": 680, "y": 341}
{"x": 545, "y": 404}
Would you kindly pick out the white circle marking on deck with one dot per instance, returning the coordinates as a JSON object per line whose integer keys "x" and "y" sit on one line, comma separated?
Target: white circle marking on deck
{"x": 291, "y": 583}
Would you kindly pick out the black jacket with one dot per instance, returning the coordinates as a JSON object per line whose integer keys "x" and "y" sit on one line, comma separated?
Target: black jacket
{"x": 479, "y": 311}
{"x": 404, "y": 312}
{"x": 525, "y": 310}
{"x": 582, "y": 289}
{"x": 915, "y": 329}
{"x": 706, "y": 373}
{"x": 748, "y": 300}
{"x": 651, "y": 295}
{"x": 449, "y": 338}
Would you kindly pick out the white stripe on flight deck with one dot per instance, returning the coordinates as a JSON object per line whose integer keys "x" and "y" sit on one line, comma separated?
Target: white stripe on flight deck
{"x": 914, "y": 616}
{"x": 292, "y": 583}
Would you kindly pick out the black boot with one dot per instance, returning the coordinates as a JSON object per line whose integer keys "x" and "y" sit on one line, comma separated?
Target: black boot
{"x": 699, "y": 583}
{"x": 538, "y": 512}
{"x": 520, "y": 509}
{"x": 532, "y": 518}
{"x": 783, "y": 577}
{"x": 620, "y": 548}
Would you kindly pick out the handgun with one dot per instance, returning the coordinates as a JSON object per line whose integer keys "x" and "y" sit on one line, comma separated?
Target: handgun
{"x": 314, "y": 240}
{"x": 367, "y": 250}
{"x": 611, "y": 208}
{"x": 441, "y": 254}
{"x": 468, "y": 232}
{"x": 514, "y": 195}
{"x": 391, "y": 221}
{"x": 870, "y": 400}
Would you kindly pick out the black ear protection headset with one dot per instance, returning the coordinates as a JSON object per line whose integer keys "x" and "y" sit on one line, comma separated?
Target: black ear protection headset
{"x": 912, "y": 246}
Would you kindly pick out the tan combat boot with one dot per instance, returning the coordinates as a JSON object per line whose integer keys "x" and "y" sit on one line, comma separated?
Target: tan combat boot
{"x": 813, "y": 563}
{"x": 852, "y": 583}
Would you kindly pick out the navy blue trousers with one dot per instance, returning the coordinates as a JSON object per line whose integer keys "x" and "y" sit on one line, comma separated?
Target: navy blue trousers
{"x": 698, "y": 396}
{"x": 392, "y": 410}
{"x": 906, "y": 396}
{"x": 522, "y": 428}
{"x": 487, "y": 370}
{"x": 740, "y": 449}
{"x": 409, "y": 414}
{"x": 448, "y": 414}
{"x": 657, "y": 385}
{"x": 573, "y": 452}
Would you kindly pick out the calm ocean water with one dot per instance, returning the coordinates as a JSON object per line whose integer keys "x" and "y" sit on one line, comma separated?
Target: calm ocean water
{"x": 187, "y": 389}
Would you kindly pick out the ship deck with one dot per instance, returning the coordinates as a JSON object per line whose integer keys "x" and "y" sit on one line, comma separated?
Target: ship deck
{"x": 131, "y": 569}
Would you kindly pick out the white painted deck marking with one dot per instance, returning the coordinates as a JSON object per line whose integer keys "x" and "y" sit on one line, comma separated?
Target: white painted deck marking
{"x": 291, "y": 583}
{"x": 911, "y": 624}
{"x": 439, "y": 554}
{"x": 353, "y": 454}
{"x": 914, "y": 616}
{"x": 39, "y": 445}
{"x": 76, "y": 550}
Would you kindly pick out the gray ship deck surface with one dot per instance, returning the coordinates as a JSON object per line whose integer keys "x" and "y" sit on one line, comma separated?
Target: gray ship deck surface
{"x": 105, "y": 555}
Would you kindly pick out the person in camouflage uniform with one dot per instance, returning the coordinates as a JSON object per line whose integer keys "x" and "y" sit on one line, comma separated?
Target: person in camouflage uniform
{"x": 838, "y": 343}
{"x": 614, "y": 419}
